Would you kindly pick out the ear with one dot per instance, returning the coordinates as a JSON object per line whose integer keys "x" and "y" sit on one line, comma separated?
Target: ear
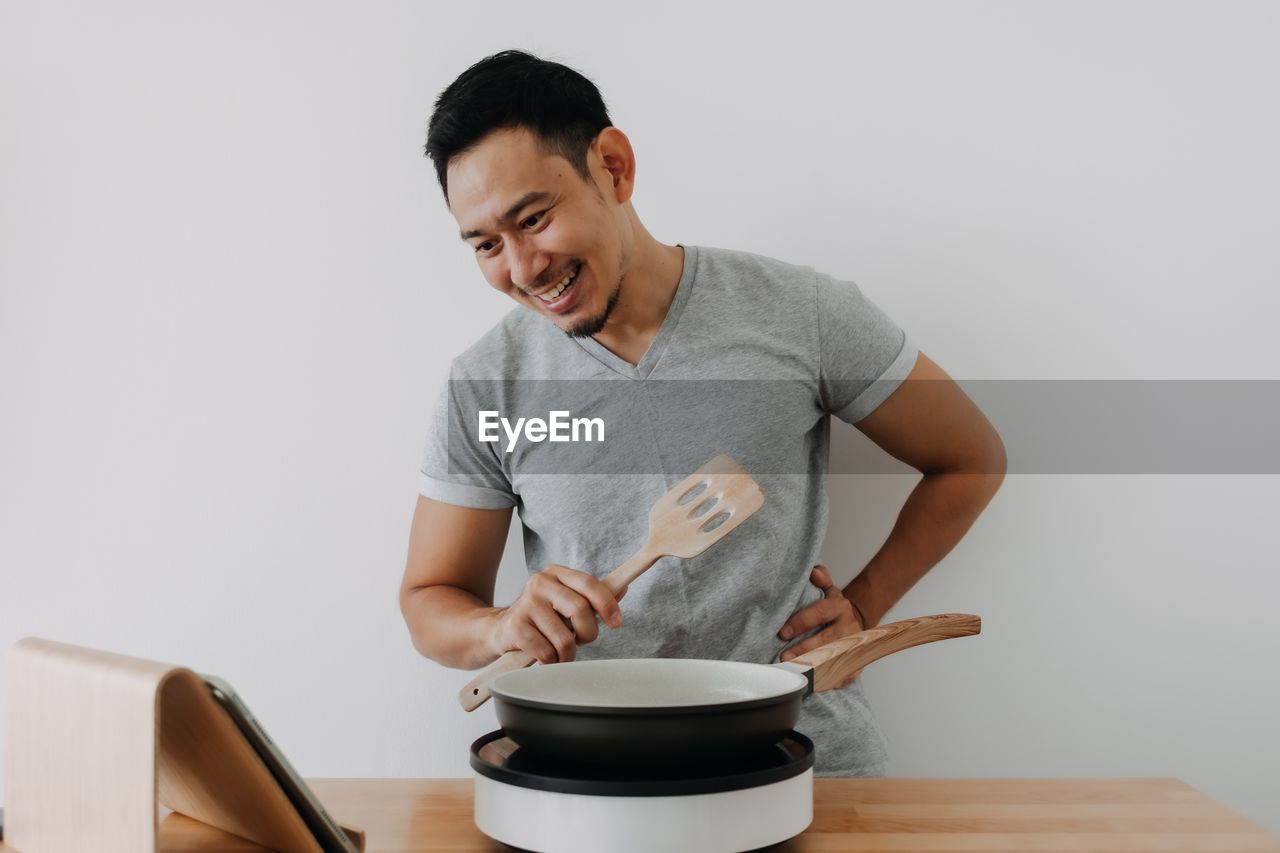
{"x": 615, "y": 163}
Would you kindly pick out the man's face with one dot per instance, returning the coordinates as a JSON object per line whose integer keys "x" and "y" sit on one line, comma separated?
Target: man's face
{"x": 532, "y": 221}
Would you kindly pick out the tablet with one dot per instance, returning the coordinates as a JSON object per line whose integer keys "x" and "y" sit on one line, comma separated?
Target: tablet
{"x": 327, "y": 833}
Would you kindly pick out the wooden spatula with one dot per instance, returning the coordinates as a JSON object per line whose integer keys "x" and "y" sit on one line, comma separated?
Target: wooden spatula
{"x": 698, "y": 512}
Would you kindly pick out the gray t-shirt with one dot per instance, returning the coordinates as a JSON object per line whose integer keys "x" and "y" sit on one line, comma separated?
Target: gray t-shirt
{"x": 752, "y": 358}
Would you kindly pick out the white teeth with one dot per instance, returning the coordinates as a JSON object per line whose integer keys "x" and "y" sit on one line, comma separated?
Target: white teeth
{"x": 553, "y": 295}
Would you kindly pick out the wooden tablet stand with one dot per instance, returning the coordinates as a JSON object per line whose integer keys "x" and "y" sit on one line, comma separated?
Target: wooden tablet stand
{"x": 94, "y": 739}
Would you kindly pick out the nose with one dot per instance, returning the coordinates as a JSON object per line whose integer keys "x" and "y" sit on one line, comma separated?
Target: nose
{"x": 527, "y": 264}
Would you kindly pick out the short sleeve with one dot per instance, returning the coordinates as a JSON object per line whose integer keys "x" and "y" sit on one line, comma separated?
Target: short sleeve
{"x": 865, "y": 355}
{"x": 469, "y": 478}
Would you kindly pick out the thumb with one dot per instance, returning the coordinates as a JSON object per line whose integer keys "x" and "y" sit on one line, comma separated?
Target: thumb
{"x": 820, "y": 577}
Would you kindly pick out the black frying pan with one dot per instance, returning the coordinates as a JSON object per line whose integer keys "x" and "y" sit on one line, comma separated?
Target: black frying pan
{"x": 646, "y": 711}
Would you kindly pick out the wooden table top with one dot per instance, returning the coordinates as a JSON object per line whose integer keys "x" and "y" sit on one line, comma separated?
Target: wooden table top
{"x": 849, "y": 814}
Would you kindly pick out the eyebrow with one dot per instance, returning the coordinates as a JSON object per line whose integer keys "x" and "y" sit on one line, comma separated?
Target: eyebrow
{"x": 525, "y": 200}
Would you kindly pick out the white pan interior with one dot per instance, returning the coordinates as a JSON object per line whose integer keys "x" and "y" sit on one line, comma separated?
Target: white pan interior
{"x": 647, "y": 683}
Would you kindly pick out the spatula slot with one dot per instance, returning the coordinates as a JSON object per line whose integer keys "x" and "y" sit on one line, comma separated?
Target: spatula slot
{"x": 704, "y": 507}
{"x": 715, "y": 521}
{"x": 688, "y": 496}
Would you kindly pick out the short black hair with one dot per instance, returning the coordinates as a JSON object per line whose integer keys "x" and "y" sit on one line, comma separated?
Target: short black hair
{"x": 515, "y": 89}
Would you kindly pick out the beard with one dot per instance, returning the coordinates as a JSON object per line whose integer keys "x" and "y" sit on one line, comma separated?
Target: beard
{"x": 593, "y": 325}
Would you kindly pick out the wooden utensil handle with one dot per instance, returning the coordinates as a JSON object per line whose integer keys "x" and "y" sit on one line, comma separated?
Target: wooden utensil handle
{"x": 476, "y": 692}
{"x": 836, "y": 661}
{"x": 634, "y": 566}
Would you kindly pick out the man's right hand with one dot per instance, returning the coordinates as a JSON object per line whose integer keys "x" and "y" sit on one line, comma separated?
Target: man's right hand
{"x": 555, "y": 612}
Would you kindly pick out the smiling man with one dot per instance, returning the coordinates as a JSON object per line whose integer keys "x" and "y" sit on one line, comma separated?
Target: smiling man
{"x": 540, "y": 183}
{"x": 573, "y": 272}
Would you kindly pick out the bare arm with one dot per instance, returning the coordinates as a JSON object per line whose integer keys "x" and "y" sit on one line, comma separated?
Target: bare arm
{"x": 932, "y": 425}
{"x": 447, "y": 592}
{"x": 446, "y": 596}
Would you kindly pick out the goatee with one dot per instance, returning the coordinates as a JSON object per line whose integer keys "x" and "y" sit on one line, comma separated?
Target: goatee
{"x": 592, "y": 326}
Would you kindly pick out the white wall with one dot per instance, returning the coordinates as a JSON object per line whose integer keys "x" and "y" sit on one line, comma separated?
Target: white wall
{"x": 228, "y": 288}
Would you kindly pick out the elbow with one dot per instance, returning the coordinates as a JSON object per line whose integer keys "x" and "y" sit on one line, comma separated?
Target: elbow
{"x": 997, "y": 458}
{"x": 983, "y": 463}
{"x": 987, "y": 458}
{"x": 406, "y": 605}
{"x": 410, "y": 604}
{"x": 992, "y": 463}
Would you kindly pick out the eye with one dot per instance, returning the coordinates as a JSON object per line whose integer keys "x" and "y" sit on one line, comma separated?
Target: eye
{"x": 535, "y": 219}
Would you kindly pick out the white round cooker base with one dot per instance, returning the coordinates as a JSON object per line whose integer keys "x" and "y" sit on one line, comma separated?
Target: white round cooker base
{"x": 727, "y": 822}
{"x": 550, "y": 806}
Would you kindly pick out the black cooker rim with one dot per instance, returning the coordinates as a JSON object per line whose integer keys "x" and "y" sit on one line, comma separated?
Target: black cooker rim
{"x": 712, "y": 784}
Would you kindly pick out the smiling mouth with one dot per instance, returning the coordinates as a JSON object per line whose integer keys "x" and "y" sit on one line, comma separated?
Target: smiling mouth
{"x": 553, "y": 294}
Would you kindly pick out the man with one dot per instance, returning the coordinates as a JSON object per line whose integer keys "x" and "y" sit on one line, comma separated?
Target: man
{"x": 540, "y": 183}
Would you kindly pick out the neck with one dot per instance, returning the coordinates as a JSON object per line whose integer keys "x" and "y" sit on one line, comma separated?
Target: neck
{"x": 646, "y": 296}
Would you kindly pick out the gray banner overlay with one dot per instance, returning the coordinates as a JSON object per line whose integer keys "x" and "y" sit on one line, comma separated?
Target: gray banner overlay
{"x": 771, "y": 426}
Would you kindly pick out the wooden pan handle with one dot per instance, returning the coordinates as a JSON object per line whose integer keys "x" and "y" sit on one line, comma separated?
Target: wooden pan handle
{"x": 476, "y": 692}
{"x": 836, "y": 661}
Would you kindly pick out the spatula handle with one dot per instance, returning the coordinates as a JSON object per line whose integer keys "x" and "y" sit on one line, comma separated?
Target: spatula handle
{"x": 476, "y": 692}
{"x": 635, "y": 565}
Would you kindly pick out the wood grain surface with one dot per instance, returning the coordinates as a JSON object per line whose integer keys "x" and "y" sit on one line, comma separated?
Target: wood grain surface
{"x": 838, "y": 661}
{"x": 108, "y": 735}
{"x": 954, "y": 815}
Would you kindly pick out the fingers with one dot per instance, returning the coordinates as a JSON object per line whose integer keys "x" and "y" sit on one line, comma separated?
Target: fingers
{"x": 557, "y": 633}
{"x": 819, "y": 613}
{"x": 821, "y": 578}
{"x": 602, "y": 601}
{"x": 833, "y": 614}
{"x": 575, "y": 608}
{"x": 819, "y": 639}
{"x": 526, "y": 636}
{"x": 556, "y": 612}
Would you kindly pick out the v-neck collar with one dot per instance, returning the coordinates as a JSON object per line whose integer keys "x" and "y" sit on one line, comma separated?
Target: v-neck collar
{"x": 642, "y": 368}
